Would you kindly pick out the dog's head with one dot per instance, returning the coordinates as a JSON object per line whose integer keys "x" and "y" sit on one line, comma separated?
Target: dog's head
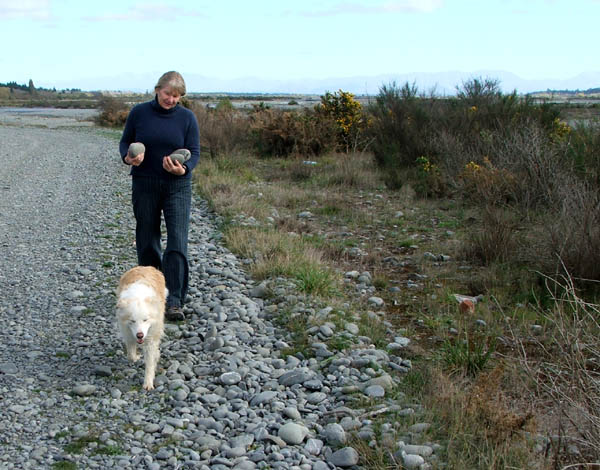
{"x": 139, "y": 316}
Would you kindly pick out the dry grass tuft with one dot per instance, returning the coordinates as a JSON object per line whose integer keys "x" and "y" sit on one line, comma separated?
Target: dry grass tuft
{"x": 567, "y": 371}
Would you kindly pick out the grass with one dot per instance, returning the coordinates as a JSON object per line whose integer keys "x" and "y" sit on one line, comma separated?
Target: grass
{"x": 467, "y": 368}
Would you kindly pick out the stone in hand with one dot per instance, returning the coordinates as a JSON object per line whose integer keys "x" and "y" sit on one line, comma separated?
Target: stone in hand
{"x": 135, "y": 149}
{"x": 181, "y": 155}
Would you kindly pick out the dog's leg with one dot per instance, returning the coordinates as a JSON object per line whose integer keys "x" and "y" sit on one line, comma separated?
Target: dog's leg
{"x": 132, "y": 351}
{"x": 151, "y": 356}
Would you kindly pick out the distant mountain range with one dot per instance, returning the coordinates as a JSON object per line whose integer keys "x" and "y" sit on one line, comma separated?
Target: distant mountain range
{"x": 444, "y": 83}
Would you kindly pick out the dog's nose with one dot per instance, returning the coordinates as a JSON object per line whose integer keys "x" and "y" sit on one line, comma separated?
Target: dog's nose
{"x": 140, "y": 335}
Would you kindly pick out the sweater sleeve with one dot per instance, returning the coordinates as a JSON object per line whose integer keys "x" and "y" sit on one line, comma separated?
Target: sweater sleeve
{"x": 128, "y": 135}
{"x": 192, "y": 142}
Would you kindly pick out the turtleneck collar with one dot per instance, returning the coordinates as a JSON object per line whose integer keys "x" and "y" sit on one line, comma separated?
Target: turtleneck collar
{"x": 160, "y": 109}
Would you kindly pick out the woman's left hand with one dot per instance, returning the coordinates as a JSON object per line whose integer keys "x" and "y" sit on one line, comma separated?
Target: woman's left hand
{"x": 173, "y": 166}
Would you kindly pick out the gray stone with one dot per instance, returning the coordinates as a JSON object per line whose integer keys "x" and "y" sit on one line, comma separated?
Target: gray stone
{"x": 84, "y": 390}
{"x": 334, "y": 434}
{"x": 292, "y": 433}
{"x": 346, "y": 457}
{"x": 136, "y": 148}
{"x": 181, "y": 155}
{"x": 8, "y": 368}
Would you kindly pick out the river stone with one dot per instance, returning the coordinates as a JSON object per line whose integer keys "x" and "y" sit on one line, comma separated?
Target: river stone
{"x": 334, "y": 434}
{"x": 412, "y": 460}
{"x": 296, "y": 376}
{"x": 375, "y": 391}
{"x": 135, "y": 149}
{"x": 292, "y": 433}
{"x": 423, "y": 451}
{"x": 8, "y": 368}
{"x": 346, "y": 457}
{"x": 181, "y": 155}
{"x": 84, "y": 390}
{"x": 230, "y": 378}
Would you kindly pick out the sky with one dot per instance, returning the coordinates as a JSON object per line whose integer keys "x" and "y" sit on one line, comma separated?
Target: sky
{"x": 54, "y": 42}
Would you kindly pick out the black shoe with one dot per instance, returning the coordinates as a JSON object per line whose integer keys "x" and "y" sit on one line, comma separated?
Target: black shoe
{"x": 174, "y": 313}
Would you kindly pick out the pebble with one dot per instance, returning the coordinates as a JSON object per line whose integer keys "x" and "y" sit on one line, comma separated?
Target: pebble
{"x": 293, "y": 433}
{"x": 346, "y": 457}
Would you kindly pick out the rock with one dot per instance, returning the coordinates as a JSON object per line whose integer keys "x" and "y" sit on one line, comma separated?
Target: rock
{"x": 314, "y": 446}
{"x": 292, "y": 433}
{"x": 84, "y": 390}
{"x": 8, "y": 368}
{"x": 181, "y": 155}
{"x": 136, "y": 148}
{"x": 334, "y": 435}
{"x": 423, "y": 451}
{"x": 102, "y": 371}
{"x": 346, "y": 457}
{"x": 374, "y": 391}
{"x": 230, "y": 378}
{"x": 419, "y": 427}
{"x": 411, "y": 461}
{"x": 376, "y": 301}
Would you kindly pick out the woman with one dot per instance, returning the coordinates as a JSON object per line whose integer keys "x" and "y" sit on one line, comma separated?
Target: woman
{"x": 161, "y": 184}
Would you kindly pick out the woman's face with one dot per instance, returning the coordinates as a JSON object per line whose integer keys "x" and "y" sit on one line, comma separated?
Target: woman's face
{"x": 167, "y": 97}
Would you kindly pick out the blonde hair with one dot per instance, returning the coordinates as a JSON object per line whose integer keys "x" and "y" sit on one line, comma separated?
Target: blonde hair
{"x": 173, "y": 80}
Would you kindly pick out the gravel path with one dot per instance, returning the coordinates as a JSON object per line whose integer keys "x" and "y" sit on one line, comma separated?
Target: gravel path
{"x": 225, "y": 397}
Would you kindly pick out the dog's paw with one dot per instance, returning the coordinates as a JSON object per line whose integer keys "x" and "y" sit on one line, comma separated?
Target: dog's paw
{"x": 133, "y": 357}
{"x": 148, "y": 386}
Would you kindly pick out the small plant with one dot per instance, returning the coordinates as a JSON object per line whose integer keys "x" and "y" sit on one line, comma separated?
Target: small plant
{"x": 64, "y": 465}
{"x": 469, "y": 355}
{"x": 429, "y": 178}
{"x": 314, "y": 280}
{"x": 77, "y": 446}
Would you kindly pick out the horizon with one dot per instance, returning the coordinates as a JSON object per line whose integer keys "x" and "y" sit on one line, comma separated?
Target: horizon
{"x": 127, "y": 44}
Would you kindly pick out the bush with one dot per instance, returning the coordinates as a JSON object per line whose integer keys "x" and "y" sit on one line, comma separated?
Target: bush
{"x": 113, "y": 112}
{"x": 496, "y": 240}
{"x": 286, "y": 133}
{"x": 581, "y": 145}
{"x": 223, "y": 130}
{"x": 400, "y": 126}
{"x": 346, "y": 113}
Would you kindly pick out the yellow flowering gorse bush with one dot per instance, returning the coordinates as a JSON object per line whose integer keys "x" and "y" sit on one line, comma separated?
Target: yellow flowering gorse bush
{"x": 347, "y": 114}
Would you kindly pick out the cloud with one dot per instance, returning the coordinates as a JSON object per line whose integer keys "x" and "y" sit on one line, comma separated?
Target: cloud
{"x": 397, "y": 6}
{"x": 148, "y": 12}
{"x": 32, "y": 9}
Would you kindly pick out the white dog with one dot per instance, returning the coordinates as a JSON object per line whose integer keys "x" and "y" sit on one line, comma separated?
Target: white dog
{"x": 141, "y": 299}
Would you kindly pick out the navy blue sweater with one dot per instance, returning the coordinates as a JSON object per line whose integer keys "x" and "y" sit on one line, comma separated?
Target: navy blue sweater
{"x": 161, "y": 131}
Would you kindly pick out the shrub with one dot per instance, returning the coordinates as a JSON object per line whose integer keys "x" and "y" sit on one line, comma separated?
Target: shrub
{"x": 566, "y": 371}
{"x": 346, "y": 113}
{"x": 495, "y": 241}
{"x": 581, "y": 145}
{"x": 572, "y": 234}
{"x": 400, "y": 126}
{"x": 278, "y": 133}
{"x": 223, "y": 130}
{"x": 113, "y": 112}
{"x": 430, "y": 181}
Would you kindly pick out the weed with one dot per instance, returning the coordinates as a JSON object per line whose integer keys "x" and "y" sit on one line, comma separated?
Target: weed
{"x": 64, "y": 465}
{"x": 314, "y": 280}
{"x": 469, "y": 355}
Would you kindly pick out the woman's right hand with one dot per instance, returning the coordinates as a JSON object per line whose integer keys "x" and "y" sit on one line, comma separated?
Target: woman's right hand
{"x": 134, "y": 161}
